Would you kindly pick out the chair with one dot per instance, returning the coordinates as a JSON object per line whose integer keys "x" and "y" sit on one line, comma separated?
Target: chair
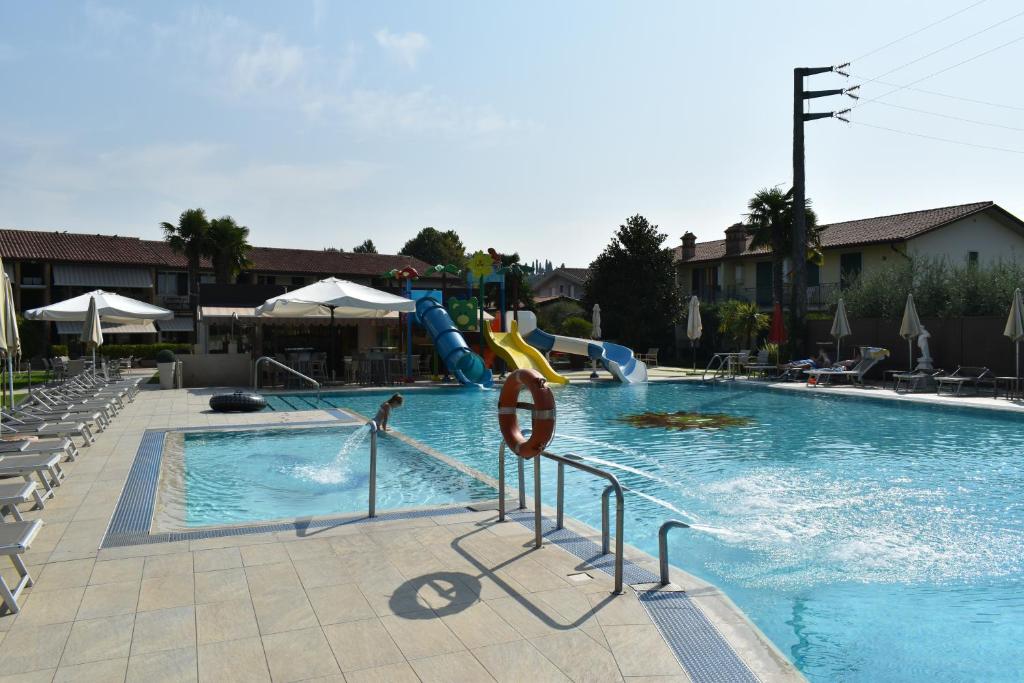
{"x": 42, "y": 465}
{"x": 15, "y": 539}
{"x": 650, "y": 359}
{"x": 909, "y": 382}
{"x": 14, "y": 493}
{"x": 964, "y": 375}
{"x": 16, "y": 425}
{"x": 870, "y": 356}
{"x": 761, "y": 364}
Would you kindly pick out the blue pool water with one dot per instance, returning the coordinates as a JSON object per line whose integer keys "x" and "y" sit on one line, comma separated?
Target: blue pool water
{"x": 869, "y": 541}
{"x": 243, "y": 476}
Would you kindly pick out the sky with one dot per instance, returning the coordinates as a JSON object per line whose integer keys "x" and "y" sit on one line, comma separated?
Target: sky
{"x": 533, "y": 127}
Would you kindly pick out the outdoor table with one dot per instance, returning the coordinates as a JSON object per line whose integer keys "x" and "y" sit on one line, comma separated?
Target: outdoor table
{"x": 1012, "y": 386}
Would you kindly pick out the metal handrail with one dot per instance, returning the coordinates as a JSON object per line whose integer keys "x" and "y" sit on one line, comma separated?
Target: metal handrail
{"x": 373, "y": 467}
{"x": 663, "y": 546}
{"x": 574, "y": 461}
{"x": 256, "y": 373}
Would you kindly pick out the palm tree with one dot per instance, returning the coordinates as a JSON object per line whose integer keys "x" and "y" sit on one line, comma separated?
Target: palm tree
{"x": 770, "y": 224}
{"x": 228, "y": 248}
{"x": 190, "y": 239}
{"x": 742, "y": 321}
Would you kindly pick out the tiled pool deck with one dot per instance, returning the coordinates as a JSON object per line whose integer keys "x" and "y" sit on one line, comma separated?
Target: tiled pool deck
{"x": 446, "y": 595}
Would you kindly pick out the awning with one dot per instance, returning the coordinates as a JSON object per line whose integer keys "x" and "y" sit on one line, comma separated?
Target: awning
{"x": 70, "y": 327}
{"x": 180, "y": 324}
{"x": 207, "y": 312}
{"x": 76, "y": 275}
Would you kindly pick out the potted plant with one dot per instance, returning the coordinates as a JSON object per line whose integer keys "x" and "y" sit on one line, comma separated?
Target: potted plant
{"x": 165, "y": 365}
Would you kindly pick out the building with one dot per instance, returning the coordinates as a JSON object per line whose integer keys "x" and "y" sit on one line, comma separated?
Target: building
{"x": 982, "y": 232}
{"x": 560, "y": 282}
{"x": 46, "y": 267}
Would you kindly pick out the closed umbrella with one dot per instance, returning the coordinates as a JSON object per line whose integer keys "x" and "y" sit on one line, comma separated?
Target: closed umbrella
{"x": 777, "y": 332}
{"x": 910, "y": 328}
{"x": 10, "y": 340}
{"x": 92, "y": 332}
{"x": 694, "y": 327}
{"x": 1015, "y": 326}
{"x": 840, "y": 325}
{"x": 595, "y": 333}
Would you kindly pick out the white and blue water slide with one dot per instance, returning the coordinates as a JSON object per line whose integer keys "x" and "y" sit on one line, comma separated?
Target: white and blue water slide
{"x": 615, "y": 358}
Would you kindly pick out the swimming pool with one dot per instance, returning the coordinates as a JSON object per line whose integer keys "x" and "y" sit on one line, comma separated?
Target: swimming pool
{"x": 870, "y": 541}
{"x": 230, "y": 477}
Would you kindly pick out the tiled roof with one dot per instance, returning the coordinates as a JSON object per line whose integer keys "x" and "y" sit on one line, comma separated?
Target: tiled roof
{"x": 881, "y": 229}
{"x": 110, "y": 249}
{"x": 576, "y": 275}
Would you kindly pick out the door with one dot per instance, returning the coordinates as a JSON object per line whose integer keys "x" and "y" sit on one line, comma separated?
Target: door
{"x": 763, "y": 292}
{"x": 849, "y": 268}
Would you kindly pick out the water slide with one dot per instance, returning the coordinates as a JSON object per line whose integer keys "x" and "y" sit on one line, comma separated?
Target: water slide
{"x": 467, "y": 367}
{"x": 616, "y": 359}
{"x": 513, "y": 349}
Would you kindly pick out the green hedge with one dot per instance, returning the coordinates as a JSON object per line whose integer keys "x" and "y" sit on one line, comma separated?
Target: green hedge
{"x": 144, "y": 351}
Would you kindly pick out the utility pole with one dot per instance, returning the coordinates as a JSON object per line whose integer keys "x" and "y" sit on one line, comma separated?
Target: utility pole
{"x": 798, "y": 300}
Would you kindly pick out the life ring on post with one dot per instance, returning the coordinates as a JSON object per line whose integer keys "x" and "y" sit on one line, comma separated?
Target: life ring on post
{"x": 542, "y": 409}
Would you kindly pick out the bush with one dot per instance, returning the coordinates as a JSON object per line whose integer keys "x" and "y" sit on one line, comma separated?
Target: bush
{"x": 138, "y": 351}
{"x": 742, "y": 322}
{"x": 165, "y": 356}
{"x": 575, "y": 326}
{"x": 551, "y": 317}
{"x": 59, "y": 350}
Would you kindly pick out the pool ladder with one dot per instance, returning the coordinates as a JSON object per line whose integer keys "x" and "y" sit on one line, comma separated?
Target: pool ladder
{"x": 268, "y": 359}
{"x": 720, "y": 367}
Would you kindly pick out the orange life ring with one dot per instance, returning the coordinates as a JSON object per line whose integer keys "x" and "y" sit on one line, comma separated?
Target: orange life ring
{"x": 543, "y": 409}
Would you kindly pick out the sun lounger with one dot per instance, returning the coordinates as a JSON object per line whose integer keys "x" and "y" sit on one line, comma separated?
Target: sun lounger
{"x": 46, "y": 467}
{"x": 15, "y": 539}
{"x": 965, "y": 375}
{"x": 14, "y": 493}
{"x": 909, "y": 382}
{"x": 31, "y": 446}
{"x": 96, "y": 418}
{"x": 870, "y": 356}
{"x": 55, "y": 401}
{"x": 15, "y": 425}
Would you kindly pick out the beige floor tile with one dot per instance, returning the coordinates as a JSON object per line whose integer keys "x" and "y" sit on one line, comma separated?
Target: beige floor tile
{"x": 309, "y": 548}
{"x": 98, "y": 639}
{"x": 32, "y": 648}
{"x": 456, "y": 667}
{"x": 320, "y": 571}
{"x": 421, "y": 634}
{"x": 264, "y": 553}
{"x": 229, "y": 620}
{"x": 391, "y": 673}
{"x": 270, "y": 577}
{"x": 477, "y": 625}
{"x": 165, "y": 565}
{"x": 41, "y": 676}
{"x": 518, "y": 661}
{"x": 50, "y": 607}
{"x": 285, "y": 609}
{"x": 171, "y": 590}
{"x": 217, "y": 558}
{"x": 297, "y": 655}
{"x": 530, "y": 617}
{"x": 113, "y": 571}
{"x": 56, "y": 575}
{"x": 578, "y": 656}
{"x": 362, "y": 645}
{"x": 164, "y": 629}
{"x": 108, "y": 599}
{"x": 236, "y": 660}
{"x": 641, "y": 651}
{"x": 658, "y": 679}
{"x": 107, "y": 671}
{"x": 337, "y": 604}
{"x": 221, "y": 585}
{"x": 167, "y": 666}
{"x": 620, "y": 610}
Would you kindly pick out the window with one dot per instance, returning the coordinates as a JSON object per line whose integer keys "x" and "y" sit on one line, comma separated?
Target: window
{"x": 172, "y": 284}
{"x": 813, "y": 275}
{"x": 298, "y": 281}
{"x": 972, "y": 258}
{"x": 849, "y": 268}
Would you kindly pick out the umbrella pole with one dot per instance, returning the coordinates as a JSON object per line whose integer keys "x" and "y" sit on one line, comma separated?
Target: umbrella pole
{"x": 10, "y": 379}
{"x": 330, "y": 346}
{"x": 910, "y": 352}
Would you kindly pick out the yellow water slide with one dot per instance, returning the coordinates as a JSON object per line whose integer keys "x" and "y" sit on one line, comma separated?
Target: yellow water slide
{"x": 513, "y": 349}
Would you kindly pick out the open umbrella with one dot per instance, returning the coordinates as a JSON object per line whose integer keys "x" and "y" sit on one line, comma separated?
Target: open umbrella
{"x": 840, "y": 325}
{"x": 694, "y": 327}
{"x": 112, "y": 308}
{"x": 92, "y": 332}
{"x": 1015, "y": 326}
{"x": 910, "y": 328}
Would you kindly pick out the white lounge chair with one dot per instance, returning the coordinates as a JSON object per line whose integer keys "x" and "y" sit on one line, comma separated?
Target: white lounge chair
{"x": 14, "y": 493}
{"x": 15, "y": 540}
{"x": 15, "y": 425}
{"x": 870, "y": 356}
{"x": 42, "y": 465}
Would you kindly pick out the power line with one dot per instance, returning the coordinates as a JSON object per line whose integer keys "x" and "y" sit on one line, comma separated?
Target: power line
{"x": 945, "y": 47}
{"x": 934, "y": 137}
{"x": 942, "y": 71}
{"x": 951, "y": 117}
{"x": 948, "y": 96}
{"x": 920, "y": 30}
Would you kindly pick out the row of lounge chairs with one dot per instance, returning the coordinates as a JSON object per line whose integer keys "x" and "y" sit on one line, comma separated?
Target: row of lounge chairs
{"x": 36, "y": 439}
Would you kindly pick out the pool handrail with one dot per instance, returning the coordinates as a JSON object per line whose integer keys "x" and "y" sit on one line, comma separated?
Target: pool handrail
{"x": 663, "y": 546}
{"x": 273, "y": 361}
{"x": 373, "y": 468}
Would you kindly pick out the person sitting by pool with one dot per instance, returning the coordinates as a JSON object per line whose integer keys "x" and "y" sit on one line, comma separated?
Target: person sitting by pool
{"x": 794, "y": 369}
{"x": 384, "y": 412}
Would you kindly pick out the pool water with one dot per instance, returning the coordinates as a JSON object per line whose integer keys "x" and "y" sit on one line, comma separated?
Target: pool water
{"x": 870, "y": 541}
{"x": 257, "y": 475}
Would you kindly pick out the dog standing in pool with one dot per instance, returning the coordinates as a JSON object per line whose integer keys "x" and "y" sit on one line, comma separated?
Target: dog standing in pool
{"x": 384, "y": 412}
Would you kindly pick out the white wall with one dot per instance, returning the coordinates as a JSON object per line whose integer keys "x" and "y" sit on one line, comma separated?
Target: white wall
{"x": 992, "y": 240}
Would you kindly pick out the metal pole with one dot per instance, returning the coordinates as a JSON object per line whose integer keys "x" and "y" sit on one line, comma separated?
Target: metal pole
{"x": 560, "y": 509}
{"x": 605, "y": 523}
{"x": 501, "y": 482}
{"x": 522, "y": 483}
{"x": 537, "y": 540}
{"x": 373, "y": 468}
{"x": 663, "y": 546}
{"x": 620, "y": 523}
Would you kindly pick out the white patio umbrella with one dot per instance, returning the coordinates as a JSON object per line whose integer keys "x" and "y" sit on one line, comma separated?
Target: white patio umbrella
{"x": 595, "y": 333}
{"x": 1015, "y": 327}
{"x": 337, "y": 299}
{"x": 10, "y": 339}
{"x": 910, "y": 328}
{"x": 112, "y": 308}
{"x": 694, "y": 327}
{"x": 840, "y": 325}
{"x": 92, "y": 333}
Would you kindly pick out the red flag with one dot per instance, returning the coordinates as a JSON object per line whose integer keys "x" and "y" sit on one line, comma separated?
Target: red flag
{"x": 777, "y": 333}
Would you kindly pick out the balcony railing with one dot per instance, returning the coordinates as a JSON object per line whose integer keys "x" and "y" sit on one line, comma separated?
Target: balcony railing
{"x": 818, "y": 296}
{"x": 173, "y": 301}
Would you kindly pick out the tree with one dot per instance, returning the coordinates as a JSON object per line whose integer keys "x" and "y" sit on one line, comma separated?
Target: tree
{"x": 633, "y": 280}
{"x": 228, "y": 248}
{"x": 436, "y": 247}
{"x": 189, "y": 238}
{"x": 367, "y": 247}
{"x": 769, "y": 224}
{"x": 741, "y": 321}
